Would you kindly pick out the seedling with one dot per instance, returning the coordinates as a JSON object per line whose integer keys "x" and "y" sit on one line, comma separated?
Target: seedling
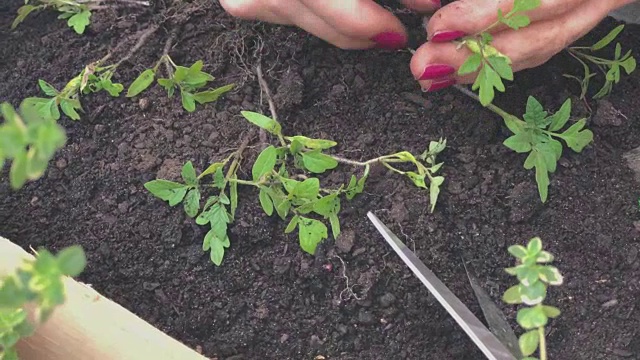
{"x": 76, "y": 12}
{"x": 190, "y": 81}
{"x": 285, "y": 177}
{"x": 37, "y": 282}
{"x": 92, "y": 78}
{"x": 29, "y": 140}
{"x": 493, "y": 66}
{"x": 610, "y": 68}
{"x": 534, "y": 277}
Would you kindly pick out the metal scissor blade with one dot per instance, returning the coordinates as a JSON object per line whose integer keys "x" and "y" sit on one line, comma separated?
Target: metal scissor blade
{"x": 486, "y": 341}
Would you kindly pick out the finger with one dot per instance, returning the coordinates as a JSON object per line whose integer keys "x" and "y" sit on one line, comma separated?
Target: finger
{"x": 422, "y": 6}
{"x": 249, "y": 10}
{"x": 466, "y": 17}
{"x": 527, "y": 47}
{"x": 361, "y": 19}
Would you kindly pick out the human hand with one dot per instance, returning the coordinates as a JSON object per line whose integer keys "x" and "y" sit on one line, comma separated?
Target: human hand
{"x": 554, "y": 25}
{"x": 347, "y": 24}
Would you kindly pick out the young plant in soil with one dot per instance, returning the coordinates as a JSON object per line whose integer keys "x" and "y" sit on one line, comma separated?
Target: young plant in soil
{"x": 190, "y": 81}
{"x": 610, "y": 68}
{"x": 285, "y": 175}
{"x": 493, "y": 66}
{"x": 534, "y": 277}
{"x": 37, "y": 283}
{"x": 76, "y": 12}
{"x": 29, "y": 140}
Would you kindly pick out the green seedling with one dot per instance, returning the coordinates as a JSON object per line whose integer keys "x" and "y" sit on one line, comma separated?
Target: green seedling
{"x": 29, "y": 140}
{"x": 76, "y": 12}
{"x": 190, "y": 81}
{"x": 491, "y": 65}
{"x": 285, "y": 176}
{"x": 534, "y": 277}
{"x": 611, "y": 69}
{"x": 92, "y": 78}
{"x": 38, "y": 283}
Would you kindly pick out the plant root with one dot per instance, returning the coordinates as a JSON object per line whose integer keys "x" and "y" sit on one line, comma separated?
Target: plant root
{"x": 349, "y": 288}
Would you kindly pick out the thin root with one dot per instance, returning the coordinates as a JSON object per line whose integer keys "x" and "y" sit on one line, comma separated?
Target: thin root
{"x": 349, "y": 288}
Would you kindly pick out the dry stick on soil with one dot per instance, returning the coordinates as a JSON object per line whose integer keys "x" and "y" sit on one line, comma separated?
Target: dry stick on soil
{"x": 272, "y": 106}
{"x": 167, "y": 49}
{"x": 348, "y": 289}
{"x": 142, "y": 39}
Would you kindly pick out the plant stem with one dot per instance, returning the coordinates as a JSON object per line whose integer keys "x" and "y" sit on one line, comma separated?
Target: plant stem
{"x": 543, "y": 343}
{"x": 491, "y": 107}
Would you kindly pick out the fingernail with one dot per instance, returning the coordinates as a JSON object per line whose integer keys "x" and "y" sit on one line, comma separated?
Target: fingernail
{"x": 446, "y": 36}
{"x": 437, "y": 3}
{"x": 390, "y": 40}
{"x": 438, "y": 85}
{"x": 436, "y": 71}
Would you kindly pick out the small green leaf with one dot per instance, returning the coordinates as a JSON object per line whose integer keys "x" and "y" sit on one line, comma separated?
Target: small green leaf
{"x": 192, "y": 202}
{"x": 167, "y": 190}
{"x": 518, "y": 251}
{"x": 417, "y": 179}
{"x": 607, "y": 39}
{"x": 317, "y": 162}
{"x": 292, "y": 224}
{"x": 434, "y": 191}
{"x": 262, "y": 121}
{"x": 311, "y": 232}
{"x": 512, "y": 295}
{"x": 471, "y": 65}
{"x": 529, "y": 342}
{"x": 534, "y": 246}
{"x": 80, "y": 21}
{"x": 47, "y": 88}
{"x": 307, "y": 189}
{"x": 531, "y": 318}
{"x": 69, "y": 108}
{"x": 265, "y": 163}
{"x": 520, "y": 142}
{"x": 188, "y": 101}
{"x": 18, "y": 171}
{"x": 501, "y": 66}
{"x": 335, "y": 225}
{"x": 542, "y": 177}
{"x": 72, "y": 260}
{"x": 312, "y": 144}
{"x": 576, "y": 138}
{"x": 211, "y": 169}
{"x": 23, "y": 12}
{"x": 265, "y": 202}
{"x": 517, "y": 21}
{"x": 550, "y": 275}
{"x": 189, "y": 174}
{"x": 544, "y": 257}
{"x": 535, "y": 113}
{"x": 534, "y": 294}
{"x": 233, "y": 191}
{"x": 212, "y": 95}
{"x": 524, "y": 5}
{"x": 140, "y": 84}
{"x": 327, "y": 205}
{"x": 629, "y": 65}
{"x": 551, "y": 311}
{"x": 560, "y": 118}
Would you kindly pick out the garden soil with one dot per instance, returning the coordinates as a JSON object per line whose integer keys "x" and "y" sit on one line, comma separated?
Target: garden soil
{"x": 269, "y": 300}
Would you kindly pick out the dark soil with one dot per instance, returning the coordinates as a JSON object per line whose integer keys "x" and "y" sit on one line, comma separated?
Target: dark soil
{"x": 270, "y": 300}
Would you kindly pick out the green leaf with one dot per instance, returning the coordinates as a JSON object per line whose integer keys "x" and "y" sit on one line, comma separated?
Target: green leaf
{"x": 311, "y": 232}
{"x": 80, "y": 21}
{"x": 327, "y": 206}
{"x": 576, "y": 138}
{"x": 607, "y": 39}
{"x": 434, "y": 191}
{"x": 486, "y": 81}
{"x": 529, "y": 342}
{"x": 512, "y": 295}
{"x": 18, "y": 172}
{"x": 542, "y": 177}
{"x": 262, "y": 121}
{"x": 188, "y": 101}
{"x": 524, "y": 5}
{"x": 551, "y": 311}
{"x": 518, "y": 251}
{"x": 265, "y": 163}
{"x": 520, "y": 142}
{"x": 292, "y": 224}
{"x": 192, "y": 202}
{"x": 312, "y": 144}
{"x": 265, "y": 202}
{"x": 317, "y": 162}
{"x": 47, "y": 88}
{"x": 544, "y": 257}
{"x": 417, "y": 179}
{"x": 69, "y": 108}
{"x": 516, "y": 22}
{"x": 471, "y": 65}
{"x": 534, "y": 246}
{"x": 189, "y": 174}
{"x": 211, "y": 169}
{"x": 629, "y": 65}
{"x": 216, "y": 246}
{"x": 550, "y": 275}
{"x": 140, "y": 84}
{"x": 23, "y": 12}
{"x": 169, "y": 85}
{"x": 307, "y": 189}
{"x": 72, "y": 260}
{"x": 335, "y": 225}
{"x": 531, "y": 318}
{"x": 170, "y": 191}
{"x": 560, "y": 118}
{"x": 233, "y": 191}
{"x": 535, "y": 113}
{"x": 212, "y": 95}
{"x": 501, "y": 66}
{"x": 533, "y": 294}
{"x": 527, "y": 275}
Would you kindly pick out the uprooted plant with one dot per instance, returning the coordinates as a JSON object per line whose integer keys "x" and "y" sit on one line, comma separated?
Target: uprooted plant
{"x": 190, "y": 81}
{"x": 284, "y": 175}
{"x": 40, "y": 283}
{"x": 534, "y": 277}
{"x": 611, "y": 69}
{"x": 76, "y": 12}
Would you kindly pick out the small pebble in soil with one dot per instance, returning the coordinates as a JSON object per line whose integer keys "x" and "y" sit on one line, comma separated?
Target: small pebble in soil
{"x": 366, "y": 318}
{"x": 315, "y": 341}
{"x": 610, "y": 303}
{"x": 345, "y": 241}
{"x": 284, "y": 338}
{"x": 144, "y": 104}
{"x": 387, "y": 300}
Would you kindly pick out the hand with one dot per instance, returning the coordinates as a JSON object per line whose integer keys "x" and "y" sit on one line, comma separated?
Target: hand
{"x": 554, "y": 25}
{"x": 347, "y": 24}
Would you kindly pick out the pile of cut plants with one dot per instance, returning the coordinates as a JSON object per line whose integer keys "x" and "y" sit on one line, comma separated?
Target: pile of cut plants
{"x": 213, "y": 176}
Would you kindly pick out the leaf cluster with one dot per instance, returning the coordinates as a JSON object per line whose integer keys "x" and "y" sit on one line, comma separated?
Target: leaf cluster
{"x": 538, "y": 134}
{"x": 38, "y": 282}
{"x": 189, "y": 81}
{"x": 77, "y": 14}
{"x": 491, "y": 65}
{"x": 534, "y": 277}
{"x": 612, "y": 69}
{"x": 29, "y": 141}
{"x": 92, "y": 78}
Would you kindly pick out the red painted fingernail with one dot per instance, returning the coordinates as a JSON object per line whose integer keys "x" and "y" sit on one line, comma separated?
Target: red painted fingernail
{"x": 438, "y": 85}
{"x": 436, "y": 71}
{"x": 390, "y": 40}
{"x": 436, "y": 3}
{"x": 446, "y": 36}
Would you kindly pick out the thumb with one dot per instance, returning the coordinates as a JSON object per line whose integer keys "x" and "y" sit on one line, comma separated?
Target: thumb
{"x": 422, "y": 5}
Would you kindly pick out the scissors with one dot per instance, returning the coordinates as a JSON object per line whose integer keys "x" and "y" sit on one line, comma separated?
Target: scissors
{"x": 487, "y": 341}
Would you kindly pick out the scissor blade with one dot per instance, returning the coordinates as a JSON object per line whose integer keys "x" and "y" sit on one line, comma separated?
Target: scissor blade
{"x": 490, "y": 346}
